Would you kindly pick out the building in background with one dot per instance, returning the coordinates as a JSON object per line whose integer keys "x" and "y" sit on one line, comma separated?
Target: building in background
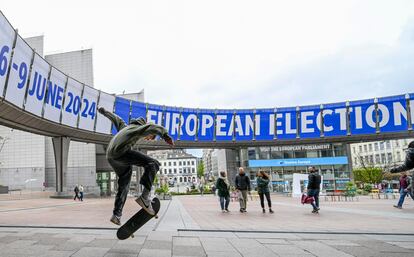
{"x": 385, "y": 154}
{"x": 27, "y": 160}
{"x": 282, "y": 162}
{"x": 179, "y": 167}
{"x": 217, "y": 160}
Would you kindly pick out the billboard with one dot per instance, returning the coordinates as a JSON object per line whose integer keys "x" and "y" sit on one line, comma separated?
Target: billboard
{"x": 29, "y": 82}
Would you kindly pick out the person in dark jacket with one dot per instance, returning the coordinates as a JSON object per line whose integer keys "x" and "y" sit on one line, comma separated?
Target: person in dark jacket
{"x": 223, "y": 187}
{"x": 408, "y": 163}
{"x": 314, "y": 184}
{"x": 76, "y": 190}
{"x": 405, "y": 188}
{"x": 263, "y": 190}
{"x": 243, "y": 188}
{"x": 121, "y": 157}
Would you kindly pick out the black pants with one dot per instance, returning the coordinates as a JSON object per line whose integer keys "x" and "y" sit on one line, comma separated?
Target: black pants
{"x": 269, "y": 202}
{"x": 123, "y": 168}
{"x": 76, "y": 196}
{"x": 315, "y": 194}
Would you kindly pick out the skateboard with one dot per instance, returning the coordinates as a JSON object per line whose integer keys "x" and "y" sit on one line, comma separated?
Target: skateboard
{"x": 137, "y": 221}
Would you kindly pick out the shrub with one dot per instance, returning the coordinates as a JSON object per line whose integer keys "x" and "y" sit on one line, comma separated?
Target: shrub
{"x": 368, "y": 188}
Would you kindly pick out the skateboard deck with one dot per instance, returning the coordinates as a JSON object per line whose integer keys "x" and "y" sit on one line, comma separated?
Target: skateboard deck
{"x": 137, "y": 221}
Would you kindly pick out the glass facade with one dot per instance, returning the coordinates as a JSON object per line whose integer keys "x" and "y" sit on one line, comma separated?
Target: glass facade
{"x": 283, "y": 161}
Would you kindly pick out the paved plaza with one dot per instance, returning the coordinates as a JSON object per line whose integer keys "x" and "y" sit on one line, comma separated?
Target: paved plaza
{"x": 194, "y": 226}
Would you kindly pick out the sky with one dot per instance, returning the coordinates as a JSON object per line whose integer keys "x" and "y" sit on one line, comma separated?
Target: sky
{"x": 233, "y": 54}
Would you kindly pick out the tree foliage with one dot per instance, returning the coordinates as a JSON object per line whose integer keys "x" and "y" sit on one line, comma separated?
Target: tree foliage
{"x": 200, "y": 169}
{"x": 370, "y": 175}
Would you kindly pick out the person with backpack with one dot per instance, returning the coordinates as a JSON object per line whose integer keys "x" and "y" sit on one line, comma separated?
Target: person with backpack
{"x": 405, "y": 189}
{"x": 243, "y": 188}
{"x": 76, "y": 190}
{"x": 223, "y": 188}
{"x": 263, "y": 190}
{"x": 314, "y": 184}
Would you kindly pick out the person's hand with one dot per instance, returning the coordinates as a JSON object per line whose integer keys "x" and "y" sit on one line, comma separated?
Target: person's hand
{"x": 406, "y": 190}
{"x": 101, "y": 110}
{"x": 168, "y": 139}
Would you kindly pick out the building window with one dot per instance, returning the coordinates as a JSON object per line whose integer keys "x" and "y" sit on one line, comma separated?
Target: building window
{"x": 377, "y": 159}
{"x": 175, "y": 171}
{"x": 169, "y": 163}
{"x": 193, "y": 170}
{"x": 360, "y": 148}
{"x": 370, "y": 147}
{"x": 179, "y": 163}
{"x": 388, "y": 144}
{"x": 366, "y": 159}
{"x": 376, "y": 146}
{"x": 181, "y": 179}
{"x": 175, "y": 163}
{"x": 185, "y": 179}
{"x": 389, "y": 156}
{"x": 188, "y": 162}
{"x": 383, "y": 158}
{"x": 382, "y": 146}
{"x": 356, "y": 160}
{"x": 371, "y": 159}
{"x": 365, "y": 148}
{"x": 353, "y": 149}
{"x": 169, "y": 171}
{"x": 192, "y": 163}
{"x": 180, "y": 170}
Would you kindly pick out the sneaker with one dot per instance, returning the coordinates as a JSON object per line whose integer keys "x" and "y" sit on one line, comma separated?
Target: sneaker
{"x": 264, "y": 211}
{"x": 116, "y": 220}
{"x": 146, "y": 205}
{"x": 271, "y": 211}
{"x": 227, "y": 210}
{"x": 398, "y": 207}
{"x": 241, "y": 210}
{"x": 315, "y": 211}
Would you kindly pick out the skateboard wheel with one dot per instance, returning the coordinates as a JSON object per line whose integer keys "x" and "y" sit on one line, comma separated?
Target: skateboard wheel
{"x": 132, "y": 236}
{"x": 156, "y": 216}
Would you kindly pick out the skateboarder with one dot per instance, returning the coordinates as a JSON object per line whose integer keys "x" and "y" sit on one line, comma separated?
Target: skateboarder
{"x": 121, "y": 157}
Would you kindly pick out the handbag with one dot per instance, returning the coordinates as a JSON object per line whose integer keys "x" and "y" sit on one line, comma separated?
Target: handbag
{"x": 305, "y": 199}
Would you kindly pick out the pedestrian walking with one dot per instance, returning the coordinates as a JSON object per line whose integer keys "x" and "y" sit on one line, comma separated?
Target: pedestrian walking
{"x": 76, "y": 190}
{"x": 263, "y": 190}
{"x": 223, "y": 188}
{"x": 243, "y": 188}
{"x": 314, "y": 184}
{"x": 407, "y": 165}
{"x": 81, "y": 193}
{"x": 405, "y": 189}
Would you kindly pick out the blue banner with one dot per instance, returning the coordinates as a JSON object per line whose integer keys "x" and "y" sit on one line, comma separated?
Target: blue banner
{"x": 334, "y": 119}
{"x": 298, "y": 162}
{"x": 286, "y": 123}
{"x": 244, "y": 125}
{"x": 411, "y": 103}
{"x": 122, "y": 109}
{"x": 362, "y": 117}
{"x": 206, "y": 125}
{"x": 172, "y": 121}
{"x": 224, "y": 125}
{"x": 189, "y": 119}
{"x": 309, "y": 121}
{"x": 392, "y": 113}
{"x": 155, "y": 114}
{"x": 265, "y": 124}
{"x": 138, "y": 109}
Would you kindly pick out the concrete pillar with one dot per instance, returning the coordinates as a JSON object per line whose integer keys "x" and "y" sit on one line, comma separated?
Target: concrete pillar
{"x": 61, "y": 150}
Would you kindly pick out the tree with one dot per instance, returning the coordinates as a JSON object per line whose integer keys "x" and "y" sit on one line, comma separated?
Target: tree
{"x": 371, "y": 175}
{"x": 200, "y": 169}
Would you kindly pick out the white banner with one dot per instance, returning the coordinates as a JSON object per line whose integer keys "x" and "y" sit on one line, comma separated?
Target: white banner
{"x": 103, "y": 124}
{"x": 19, "y": 72}
{"x": 7, "y": 34}
{"x": 72, "y": 104}
{"x": 37, "y": 87}
{"x": 54, "y": 95}
{"x": 88, "y": 108}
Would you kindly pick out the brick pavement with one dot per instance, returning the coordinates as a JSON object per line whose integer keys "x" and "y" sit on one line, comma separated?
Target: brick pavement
{"x": 178, "y": 231}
